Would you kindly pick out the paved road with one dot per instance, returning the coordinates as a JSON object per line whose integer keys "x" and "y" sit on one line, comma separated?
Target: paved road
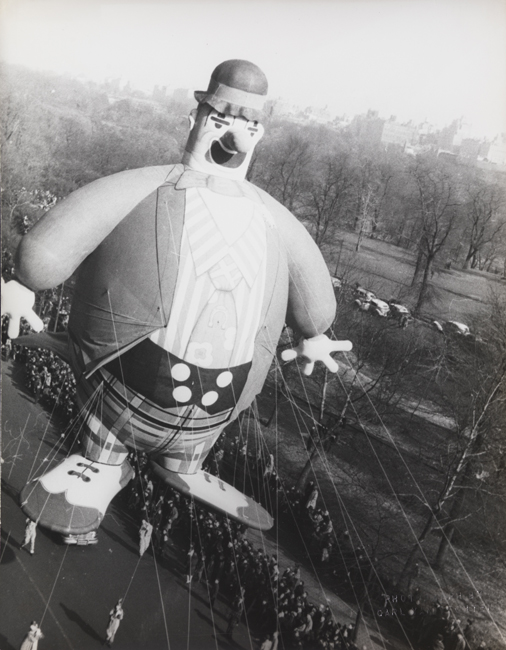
{"x": 70, "y": 590}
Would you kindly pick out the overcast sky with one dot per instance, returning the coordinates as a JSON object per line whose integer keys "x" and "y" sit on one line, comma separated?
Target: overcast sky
{"x": 416, "y": 59}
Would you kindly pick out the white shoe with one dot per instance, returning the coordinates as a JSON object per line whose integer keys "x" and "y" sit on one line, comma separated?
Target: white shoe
{"x": 214, "y": 492}
{"x": 73, "y": 497}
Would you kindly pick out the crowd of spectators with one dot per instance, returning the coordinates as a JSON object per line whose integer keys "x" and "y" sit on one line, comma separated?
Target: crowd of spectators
{"x": 436, "y": 627}
{"x": 273, "y": 602}
{"x": 326, "y": 544}
{"x": 46, "y": 376}
{"x": 431, "y": 627}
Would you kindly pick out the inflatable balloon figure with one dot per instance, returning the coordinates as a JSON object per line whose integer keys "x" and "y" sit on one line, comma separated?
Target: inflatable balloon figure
{"x": 186, "y": 276}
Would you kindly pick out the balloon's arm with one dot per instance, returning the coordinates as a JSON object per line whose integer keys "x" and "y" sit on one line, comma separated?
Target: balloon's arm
{"x": 311, "y": 300}
{"x": 52, "y": 250}
{"x": 17, "y": 303}
{"x": 318, "y": 348}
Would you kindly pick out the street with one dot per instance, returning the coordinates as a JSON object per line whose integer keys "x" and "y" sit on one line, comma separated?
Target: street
{"x": 69, "y": 590}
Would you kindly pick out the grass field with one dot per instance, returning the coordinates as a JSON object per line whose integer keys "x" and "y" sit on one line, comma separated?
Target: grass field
{"x": 387, "y": 270}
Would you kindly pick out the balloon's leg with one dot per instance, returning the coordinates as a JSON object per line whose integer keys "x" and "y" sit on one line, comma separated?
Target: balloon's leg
{"x": 212, "y": 491}
{"x": 73, "y": 497}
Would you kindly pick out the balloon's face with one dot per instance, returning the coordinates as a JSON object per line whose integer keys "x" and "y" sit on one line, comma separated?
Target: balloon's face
{"x": 219, "y": 144}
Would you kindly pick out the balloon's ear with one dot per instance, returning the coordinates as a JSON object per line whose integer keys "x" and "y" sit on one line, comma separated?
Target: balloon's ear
{"x": 192, "y": 117}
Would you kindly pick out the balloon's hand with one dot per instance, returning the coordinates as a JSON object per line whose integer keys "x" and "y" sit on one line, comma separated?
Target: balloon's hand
{"x": 17, "y": 303}
{"x": 317, "y": 348}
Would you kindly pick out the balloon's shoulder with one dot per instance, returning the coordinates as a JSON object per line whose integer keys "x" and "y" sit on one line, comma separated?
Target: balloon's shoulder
{"x": 141, "y": 174}
{"x": 276, "y": 209}
{"x": 128, "y": 185}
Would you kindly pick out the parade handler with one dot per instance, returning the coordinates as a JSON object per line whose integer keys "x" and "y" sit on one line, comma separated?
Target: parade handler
{"x": 186, "y": 276}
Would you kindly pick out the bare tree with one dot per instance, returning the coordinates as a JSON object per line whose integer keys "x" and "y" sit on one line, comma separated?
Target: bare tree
{"x": 437, "y": 210}
{"x": 327, "y": 196}
{"x": 373, "y": 175}
{"x": 475, "y": 393}
{"x": 285, "y": 161}
{"x": 485, "y": 215}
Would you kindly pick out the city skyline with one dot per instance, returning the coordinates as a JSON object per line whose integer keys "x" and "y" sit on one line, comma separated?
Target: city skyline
{"x": 415, "y": 59}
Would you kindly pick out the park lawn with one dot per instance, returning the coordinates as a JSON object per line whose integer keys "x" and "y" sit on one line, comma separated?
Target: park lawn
{"x": 387, "y": 270}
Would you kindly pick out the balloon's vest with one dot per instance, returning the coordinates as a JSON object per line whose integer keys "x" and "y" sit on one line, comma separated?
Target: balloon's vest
{"x": 175, "y": 319}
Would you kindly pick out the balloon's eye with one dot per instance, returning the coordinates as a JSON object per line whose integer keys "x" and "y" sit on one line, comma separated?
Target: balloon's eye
{"x": 219, "y": 120}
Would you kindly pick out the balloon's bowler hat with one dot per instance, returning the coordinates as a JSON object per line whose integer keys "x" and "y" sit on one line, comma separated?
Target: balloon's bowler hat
{"x": 236, "y": 88}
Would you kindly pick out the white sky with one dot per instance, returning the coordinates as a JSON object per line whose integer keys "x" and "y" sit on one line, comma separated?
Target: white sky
{"x": 416, "y": 59}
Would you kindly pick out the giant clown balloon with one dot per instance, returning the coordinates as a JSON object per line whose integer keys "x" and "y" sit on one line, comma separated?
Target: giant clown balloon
{"x": 186, "y": 275}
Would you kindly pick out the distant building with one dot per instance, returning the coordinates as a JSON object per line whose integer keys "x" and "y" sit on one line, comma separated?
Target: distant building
{"x": 457, "y": 138}
{"x": 368, "y": 127}
{"x": 497, "y": 150}
{"x": 401, "y": 135}
{"x": 447, "y": 137}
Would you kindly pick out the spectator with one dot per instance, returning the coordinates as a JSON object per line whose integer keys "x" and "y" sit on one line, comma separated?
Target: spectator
{"x": 30, "y": 534}
{"x": 191, "y": 561}
{"x": 115, "y": 617}
{"x": 31, "y": 640}
{"x": 145, "y": 533}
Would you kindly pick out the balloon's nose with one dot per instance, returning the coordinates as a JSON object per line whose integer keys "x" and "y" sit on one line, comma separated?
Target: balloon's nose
{"x": 238, "y": 141}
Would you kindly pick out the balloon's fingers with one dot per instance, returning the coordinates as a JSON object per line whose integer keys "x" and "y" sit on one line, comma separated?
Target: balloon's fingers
{"x": 288, "y": 355}
{"x": 35, "y": 322}
{"x": 331, "y": 364}
{"x": 341, "y": 346}
{"x": 308, "y": 368}
{"x": 13, "y": 329}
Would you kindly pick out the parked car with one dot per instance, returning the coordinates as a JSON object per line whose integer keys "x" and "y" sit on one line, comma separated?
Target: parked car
{"x": 364, "y": 294}
{"x": 397, "y": 309}
{"x": 379, "y": 307}
{"x": 373, "y": 305}
{"x": 454, "y": 327}
{"x": 361, "y": 304}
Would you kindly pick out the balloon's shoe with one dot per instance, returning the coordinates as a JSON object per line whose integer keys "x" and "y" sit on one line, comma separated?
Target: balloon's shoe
{"x": 212, "y": 491}
{"x": 73, "y": 497}
{"x": 81, "y": 540}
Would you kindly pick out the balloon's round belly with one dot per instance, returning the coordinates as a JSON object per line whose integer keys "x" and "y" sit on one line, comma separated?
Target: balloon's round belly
{"x": 153, "y": 401}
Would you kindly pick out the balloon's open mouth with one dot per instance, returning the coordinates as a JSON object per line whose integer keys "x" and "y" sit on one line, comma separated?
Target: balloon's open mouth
{"x": 221, "y": 156}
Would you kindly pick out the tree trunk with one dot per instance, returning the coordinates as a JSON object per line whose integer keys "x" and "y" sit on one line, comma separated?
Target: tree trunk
{"x": 309, "y": 463}
{"x": 339, "y": 257}
{"x": 418, "y": 267}
{"x": 416, "y": 546}
{"x": 304, "y": 475}
{"x": 469, "y": 257}
{"x": 455, "y": 511}
{"x": 360, "y": 237}
{"x": 424, "y": 286}
{"x": 443, "y": 546}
